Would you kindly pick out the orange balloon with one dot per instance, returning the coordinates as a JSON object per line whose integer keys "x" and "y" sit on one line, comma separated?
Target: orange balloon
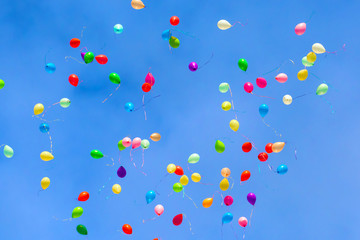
{"x": 155, "y": 137}
{"x": 127, "y": 229}
{"x": 207, "y": 202}
{"x": 245, "y": 175}
{"x": 225, "y": 172}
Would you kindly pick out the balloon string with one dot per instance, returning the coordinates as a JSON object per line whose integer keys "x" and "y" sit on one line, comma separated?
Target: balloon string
{"x": 233, "y": 182}
{"x": 64, "y": 220}
{"x": 232, "y": 228}
{"x": 143, "y": 105}
{"x": 151, "y": 219}
{"x": 243, "y": 25}
{"x": 275, "y": 131}
{"x": 147, "y": 102}
{"x": 112, "y": 160}
{"x": 189, "y": 198}
{"x": 102, "y": 188}
{"x": 251, "y": 215}
{"x": 51, "y": 143}
{"x": 189, "y": 223}
{"x": 156, "y": 186}
{"x": 331, "y": 106}
{"x": 85, "y": 49}
{"x": 133, "y": 162}
{"x": 44, "y": 120}
{"x": 187, "y": 34}
{"x": 278, "y": 67}
{"x": 82, "y": 31}
{"x": 312, "y": 14}
{"x": 272, "y": 169}
{"x": 262, "y": 96}
{"x": 49, "y": 108}
{"x": 47, "y": 54}
{"x": 188, "y": 166}
{"x": 143, "y": 161}
{"x": 67, "y": 57}
{"x": 252, "y": 143}
{"x": 232, "y": 102}
{"x": 208, "y": 61}
{"x": 119, "y": 157}
{"x": 305, "y": 94}
{"x": 111, "y": 94}
{"x": 206, "y": 184}
{"x": 244, "y": 234}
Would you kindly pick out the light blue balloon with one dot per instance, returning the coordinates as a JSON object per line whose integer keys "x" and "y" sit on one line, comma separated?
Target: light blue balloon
{"x": 150, "y": 196}
{"x": 118, "y": 28}
{"x": 263, "y": 110}
{"x": 50, "y": 67}
{"x": 282, "y": 169}
{"x": 227, "y": 217}
{"x": 166, "y": 35}
{"x": 44, "y": 127}
{"x": 129, "y": 107}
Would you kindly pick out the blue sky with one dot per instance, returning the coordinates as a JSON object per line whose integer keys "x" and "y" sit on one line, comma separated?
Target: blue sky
{"x": 316, "y": 199}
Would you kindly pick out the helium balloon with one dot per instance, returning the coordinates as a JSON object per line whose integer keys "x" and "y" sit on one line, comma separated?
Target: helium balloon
{"x": 127, "y": 229}
{"x": 219, "y": 146}
{"x": 223, "y": 87}
{"x": 245, "y": 175}
{"x": 263, "y": 157}
{"x": 116, "y": 188}
{"x": 261, "y": 82}
{"x": 150, "y": 79}
{"x": 281, "y": 77}
{"x": 174, "y": 42}
{"x": 2, "y": 84}
{"x": 159, "y": 209}
{"x": 171, "y": 168}
{"x": 184, "y": 180}
{"x": 166, "y": 35}
{"x": 300, "y": 29}
{"x": 129, "y": 107}
{"x": 96, "y": 154}
{"x": 263, "y": 110}
{"x": 194, "y": 158}
{"x": 44, "y": 127}
{"x": 38, "y": 109}
{"x": 45, "y": 183}
{"x": 268, "y": 148}
{"x": 177, "y": 187}
{"x": 207, "y": 202}
{"x": 248, "y": 87}
{"x": 227, "y": 217}
{"x": 50, "y": 68}
{"x": 174, "y": 20}
{"x": 126, "y": 142}
{"x": 82, "y": 55}
{"x": 150, "y": 196}
{"x": 287, "y": 99}
{"x": 46, "y": 156}
{"x": 322, "y": 89}
{"x": 8, "y": 151}
{"x": 302, "y": 74}
{"x": 243, "y": 220}
{"x": 75, "y": 42}
{"x": 318, "y": 48}
{"x": 246, "y": 147}
{"x": 226, "y": 106}
{"x": 118, "y": 28}
{"x": 177, "y": 220}
{"x": 282, "y": 169}
{"x": 234, "y": 125}
{"x": 89, "y": 57}
{"x": 196, "y": 177}
{"x": 114, "y": 78}
{"x": 155, "y": 137}
{"x": 121, "y": 146}
{"x": 146, "y": 87}
{"x": 225, "y": 172}
{"x": 193, "y": 66}
{"x": 77, "y": 212}
{"x": 74, "y": 80}
{"x": 83, "y": 196}
{"x": 101, "y": 59}
{"x": 224, "y": 184}
{"x": 311, "y": 57}
{"x": 306, "y": 63}
{"x": 224, "y": 25}
{"x": 243, "y": 65}
{"x": 136, "y": 142}
{"x": 81, "y": 229}
{"x": 65, "y": 102}
{"x": 121, "y": 172}
{"x": 251, "y": 198}
{"x": 277, "y": 147}
{"x": 145, "y": 144}
{"x": 137, "y": 4}
{"x": 228, "y": 200}
{"x": 179, "y": 171}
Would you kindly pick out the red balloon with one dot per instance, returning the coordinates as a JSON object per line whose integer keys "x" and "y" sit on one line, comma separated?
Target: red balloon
{"x": 179, "y": 171}
{"x": 74, "y": 80}
{"x": 84, "y": 196}
{"x": 246, "y": 147}
{"x": 177, "y": 220}
{"x": 127, "y": 229}
{"x": 146, "y": 87}
{"x": 263, "y": 157}
{"x": 75, "y": 42}
{"x": 245, "y": 175}
{"x": 268, "y": 148}
{"x": 174, "y": 20}
{"x": 102, "y": 59}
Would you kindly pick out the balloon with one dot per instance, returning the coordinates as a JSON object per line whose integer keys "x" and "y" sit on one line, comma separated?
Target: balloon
{"x": 196, "y": 177}
{"x": 281, "y": 77}
{"x": 115, "y": 78}
{"x": 137, "y": 4}
{"x": 101, "y": 59}
{"x": 322, "y": 89}
{"x": 223, "y": 25}
{"x": 311, "y": 57}
{"x": 159, "y": 209}
{"x": 226, "y": 106}
{"x": 177, "y": 220}
{"x": 8, "y": 151}
{"x": 171, "y": 168}
{"x": 248, "y": 87}
{"x": 38, "y": 109}
{"x": 155, "y": 137}
{"x": 227, "y": 217}
{"x": 228, "y": 200}
{"x": 150, "y": 79}
{"x": 219, "y": 146}
{"x": 46, "y": 156}
{"x": 45, "y": 183}
{"x": 166, "y": 35}
{"x": 89, "y": 57}
{"x": 243, "y": 65}
{"x": 318, "y": 48}
{"x": 81, "y": 229}
{"x": 179, "y": 171}
{"x": 65, "y": 102}
{"x": 193, "y": 66}
{"x": 116, "y": 188}
{"x": 300, "y": 29}
{"x": 224, "y": 87}
{"x": 243, "y": 221}
{"x": 121, "y": 172}
{"x": 74, "y": 80}
{"x": 261, "y": 82}
{"x": 177, "y": 187}
{"x": 251, "y": 198}
{"x": 50, "y": 68}
{"x": 118, "y": 28}
{"x": 268, "y": 148}
{"x": 246, "y": 147}
{"x": 77, "y": 212}
{"x": 306, "y": 63}
{"x": 263, "y": 157}
{"x": 282, "y": 169}
{"x": 245, "y": 175}
{"x": 174, "y": 42}
{"x": 96, "y": 154}
{"x": 184, "y": 180}
{"x": 129, "y": 107}
{"x": 263, "y": 110}
{"x": 207, "y": 202}
{"x": 83, "y": 196}
{"x": 127, "y": 229}
{"x": 225, "y": 172}
{"x": 126, "y": 142}
{"x": 224, "y": 184}
{"x": 146, "y": 87}
{"x": 121, "y": 146}
{"x": 82, "y": 55}
{"x": 234, "y": 125}
{"x": 194, "y": 158}
{"x": 145, "y": 144}
{"x": 278, "y": 147}
{"x": 302, "y": 74}
{"x": 150, "y": 196}
{"x": 136, "y": 142}
{"x": 174, "y": 20}
{"x": 2, "y": 84}
{"x": 44, "y": 127}
{"x": 287, "y": 99}
{"x": 75, "y": 42}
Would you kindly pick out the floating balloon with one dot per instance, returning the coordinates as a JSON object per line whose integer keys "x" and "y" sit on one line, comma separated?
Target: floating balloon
{"x": 75, "y": 42}
{"x": 174, "y": 42}
{"x": 300, "y": 29}
{"x": 74, "y": 80}
{"x": 89, "y": 57}
{"x": 196, "y": 177}
{"x": 306, "y": 63}
{"x": 159, "y": 209}
{"x": 302, "y": 74}
{"x": 243, "y": 221}
{"x": 277, "y": 147}
{"x": 150, "y": 79}
{"x": 228, "y": 200}
{"x": 263, "y": 157}
{"x": 219, "y": 146}
{"x": 224, "y": 184}
{"x": 245, "y": 175}
{"x": 81, "y": 229}
{"x": 261, "y": 82}
{"x": 171, "y": 168}
{"x": 322, "y": 89}
{"x": 83, "y": 55}
{"x": 118, "y": 28}
{"x": 193, "y": 66}
{"x": 45, "y": 183}
{"x": 96, "y": 154}
{"x": 166, "y": 35}
{"x": 282, "y": 169}
{"x": 46, "y": 156}
{"x": 246, "y": 147}
{"x": 223, "y": 87}
{"x": 177, "y": 220}
{"x": 8, "y": 151}
{"x": 224, "y": 25}
{"x": 114, "y": 78}
{"x": 226, "y": 106}
{"x": 207, "y": 202}
{"x": 251, "y": 198}
{"x": 174, "y": 20}
{"x": 77, "y": 212}
{"x": 225, "y": 172}
{"x": 177, "y": 187}
{"x": 155, "y": 137}
{"x": 194, "y": 158}
{"x": 65, "y": 102}
{"x": 121, "y": 146}
{"x": 311, "y": 57}
{"x": 263, "y": 110}
{"x": 83, "y": 196}
{"x": 50, "y": 68}
{"x": 287, "y": 99}
{"x": 116, "y": 188}
{"x": 150, "y": 196}
{"x": 318, "y": 48}
{"x": 44, "y": 127}
{"x": 127, "y": 229}
{"x": 136, "y": 142}
{"x": 129, "y": 107}
{"x": 268, "y": 148}
{"x": 38, "y": 109}
{"x": 179, "y": 171}
{"x": 137, "y": 4}
{"x": 126, "y": 142}
{"x": 145, "y": 144}
{"x": 281, "y": 77}
{"x": 227, "y": 217}
{"x": 101, "y": 59}
{"x": 234, "y": 125}
{"x": 2, "y": 84}
{"x": 243, "y": 65}
{"x": 121, "y": 172}
{"x": 248, "y": 87}
{"x": 146, "y": 87}
{"x": 184, "y": 180}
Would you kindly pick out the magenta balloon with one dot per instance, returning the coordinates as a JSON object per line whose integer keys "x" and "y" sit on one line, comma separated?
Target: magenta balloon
{"x": 248, "y": 87}
{"x": 251, "y": 198}
{"x": 300, "y": 29}
{"x": 150, "y": 79}
{"x": 261, "y": 82}
{"x": 193, "y": 66}
{"x": 82, "y": 55}
{"x": 228, "y": 200}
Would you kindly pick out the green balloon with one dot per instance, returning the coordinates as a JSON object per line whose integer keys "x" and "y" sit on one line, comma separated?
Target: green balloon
{"x": 145, "y": 144}
{"x": 177, "y": 187}
{"x": 121, "y": 146}
{"x": 65, "y": 102}
{"x": 8, "y": 151}
{"x": 243, "y": 65}
{"x": 306, "y": 63}
{"x": 96, "y": 154}
{"x": 77, "y": 212}
{"x": 2, "y": 83}
{"x": 81, "y": 229}
{"x": 194, "y": 158}
{"x": 174, "y": 42}
{"x": 89, "y": 57}
{"x": 224, "y": 87}
{"x": 322, "y": 89}
{"x": 219, "y": 146}
{"x": 114, "y": 77}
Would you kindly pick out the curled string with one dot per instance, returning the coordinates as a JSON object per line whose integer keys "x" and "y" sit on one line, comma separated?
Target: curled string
{"x": 151, "y": 219}
{"x": 262, "y": 96}
{"x": 188, "y": 197}
{"x": 111, "y": 94}
{"x": 102, "y": 188}
{"x": 243, "y": 25}
{"x": 272, "y": 169}
{"x": 143, "y": 105}
{"x": 112, "y": 160}
{"x": 51, "y": 143}
{"x": 330, "y": 85}
{"x": 49, "y": 108}
{"x": 44, "y": 120}
{"x": 189, "y": 223}
{"x": 252, "y": 143}
{"x": 133, "y": 162}
{"x": 81, "y": 50}
{"x": 233, "y": 182}
{"x": 208, "y": 61}
{"x": 188, "y": 166}
{"x": 206, "y": 184}
{"x": 232, "y": 102}
{"x": 156, "y": 186}
{"x": 278, "y": 67}
{"x": 335, "y": 52}
{"x": 275, "y": 131}
{"x": 252, "y": 210}
{"x": 70, "y": 57}
{"x": 146, "y": 102}
{"x": 186, "y": 33}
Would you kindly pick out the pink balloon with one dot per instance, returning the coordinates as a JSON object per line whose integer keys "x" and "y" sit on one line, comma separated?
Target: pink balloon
{"x": 248, "y": 87}
{"x": 126, "y": 142}
{"x": 281, "y": 77}
{"x": 228, "y": 200}
{"x": 159, "y": 209}
{"x": 300, "y": 28}
{"x": 136, "y": 142}
{"x": 261, "y": 82}
{"x": 150, "y": 79}
{"x": 243, "y": 221}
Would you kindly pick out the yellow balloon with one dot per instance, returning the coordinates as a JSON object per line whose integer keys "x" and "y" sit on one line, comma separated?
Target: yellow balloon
{"x": 207, "y": 202}
{"x": 46, "y": 156}
{"x": 184, "y": 180}
{"x": 318, "y": 48}
{"x": 223, "y": 24}
{"x": 287, "y": 99}
{"x": 171, "y": 168}
{"x": 38, "y": 109}
{"x": 225, "y": 172}
{"x": 137, "y": 4}
{"x": 311, "y": 57}
{"x": 302, "y": 74}
{"x": 226, "y": 106}
{"x": 155, "y": 137}
{"x": 45, "y": 183}
{"x": 278, "y": 147}
{"x": 234, "y": 125}
{"x": 196, "y": 177}
{"x": 116, "y": 188}
{"x": 224, "y": 184}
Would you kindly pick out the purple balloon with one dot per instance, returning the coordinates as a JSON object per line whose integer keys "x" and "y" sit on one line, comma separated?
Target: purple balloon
{"x": 193, "y": 66}
{"x": 251, "y": 198}
{"x": 82, "y": 55}
{"x": 121, "y": 172}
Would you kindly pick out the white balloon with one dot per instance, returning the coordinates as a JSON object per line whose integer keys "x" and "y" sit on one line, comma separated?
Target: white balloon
{"x": 287, "y": 99}
{"x": 318, "y": 48}
{"x": 223, "y": 24}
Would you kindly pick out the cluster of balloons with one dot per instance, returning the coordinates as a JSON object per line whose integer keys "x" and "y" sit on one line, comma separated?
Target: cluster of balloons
{"x": 78, "y": 211}
{"x": 167, "y": 34}
{"x": 149, "y": 82}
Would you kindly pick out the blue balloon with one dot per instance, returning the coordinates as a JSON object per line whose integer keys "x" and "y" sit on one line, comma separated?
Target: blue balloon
{"x": 50, "y": 67}
{"x": 150, "y": 196}
{"x": 129, "y": 107}
{"x": 44, "y": 127}
{"x": 282, "y": 169}
{"x": 227, "y": 217}
{"x": 263, "y": 110}
{"x": 166, "y": 35}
